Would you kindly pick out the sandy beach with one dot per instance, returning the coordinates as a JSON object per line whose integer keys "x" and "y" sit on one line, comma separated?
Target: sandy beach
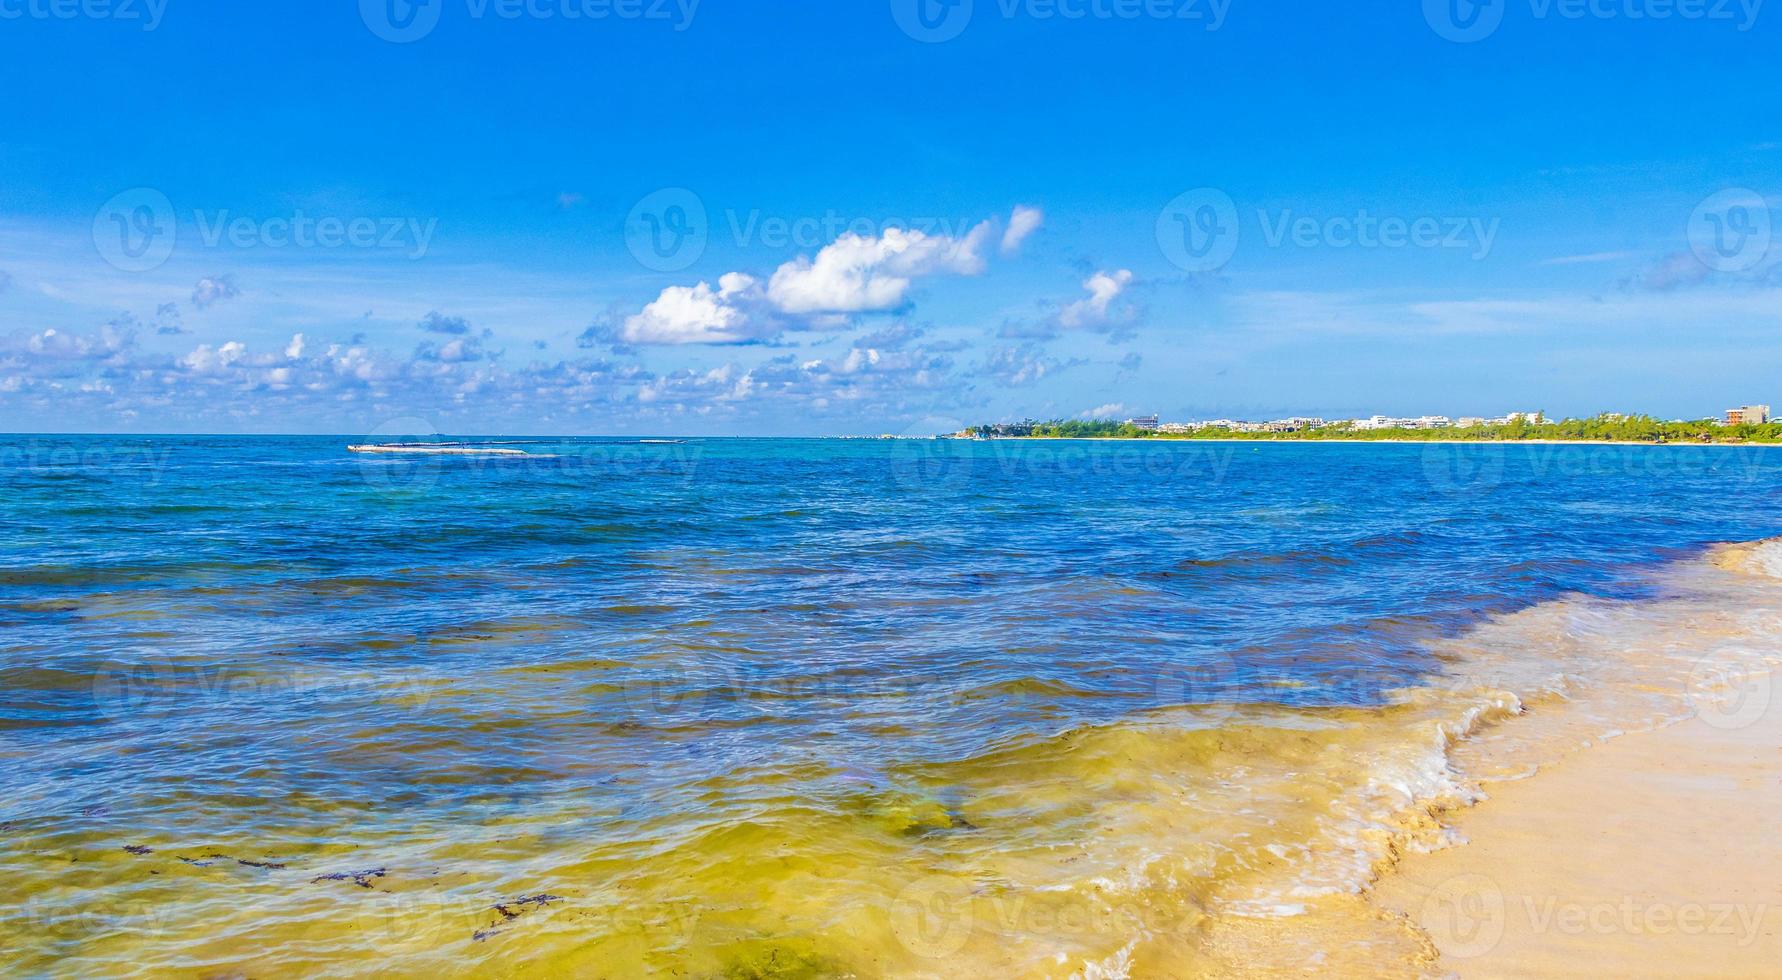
{"x": 1651, "y": 854}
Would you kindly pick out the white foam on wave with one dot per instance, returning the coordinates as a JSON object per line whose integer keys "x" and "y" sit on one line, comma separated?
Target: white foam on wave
{"x": 1766, "y": 556}
{"x": 436, "y": 450}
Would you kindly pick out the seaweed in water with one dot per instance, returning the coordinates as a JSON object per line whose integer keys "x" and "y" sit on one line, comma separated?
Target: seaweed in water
{"x": 138, "y": 849}
{"x": 360, "y": 878}
{"x": 514, "y": 909}
{"x": 207, "y": 860}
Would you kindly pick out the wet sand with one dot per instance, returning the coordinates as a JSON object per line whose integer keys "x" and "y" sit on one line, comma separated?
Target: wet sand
{"x": 1655, "y": 854}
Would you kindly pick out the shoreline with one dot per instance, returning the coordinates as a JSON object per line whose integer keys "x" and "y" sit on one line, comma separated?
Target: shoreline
{"x": 1643, "y": 850}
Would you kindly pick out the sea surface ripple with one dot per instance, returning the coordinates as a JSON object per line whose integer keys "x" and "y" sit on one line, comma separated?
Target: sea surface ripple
{"x": 711, "y": 707}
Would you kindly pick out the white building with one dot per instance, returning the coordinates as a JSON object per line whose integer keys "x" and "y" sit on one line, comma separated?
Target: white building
{"x": 1384, "y": 422}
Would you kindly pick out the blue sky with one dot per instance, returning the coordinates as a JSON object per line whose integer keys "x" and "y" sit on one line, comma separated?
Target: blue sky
{"x": 860, "y": 230}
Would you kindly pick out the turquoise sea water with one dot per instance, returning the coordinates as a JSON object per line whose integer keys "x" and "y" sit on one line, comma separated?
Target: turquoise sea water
{"x": 264, "y": 661}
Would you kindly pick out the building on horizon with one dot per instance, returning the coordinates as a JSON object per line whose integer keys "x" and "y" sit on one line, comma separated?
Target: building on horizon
{"x": 1748, "y": 415}
{"x": 1145, "y": 422}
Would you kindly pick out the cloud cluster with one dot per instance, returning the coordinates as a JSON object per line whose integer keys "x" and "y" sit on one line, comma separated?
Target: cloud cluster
{"x": 106, "y": 377}
{"x": 308, "y": 378}
{"x": 1103, "y": 311}
{"x": 437, "y": 322}
{"x": 1021, "y": 365}
{"x": 214, "y": 289}
{"x": 854, "y": 275}
{"x": 168, "y": 322}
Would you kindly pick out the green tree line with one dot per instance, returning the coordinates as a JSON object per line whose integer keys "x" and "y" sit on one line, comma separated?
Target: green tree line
{"x": 1598, "y": 428}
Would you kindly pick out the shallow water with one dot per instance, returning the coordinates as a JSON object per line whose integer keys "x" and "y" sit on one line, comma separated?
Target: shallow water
{"x": 811, "y": 708}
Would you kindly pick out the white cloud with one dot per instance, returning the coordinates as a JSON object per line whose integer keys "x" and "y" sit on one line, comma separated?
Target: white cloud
{"x": 294, "y": 349}
{"x": 860, "y": 274}
{"x": 109, "y": 343}
{"x": 1023, "y": 222}
{"x": 700, "y": 314}
{"x": 1104, "y": 288}
{"x": 1112, "y": 410}
{"x": 723, "y": 383}
{"x": 459, "y": 351}
{"x": 855, "y": 274}
{"x": 1591, "y": 258}
{"x": 205, "y": 360}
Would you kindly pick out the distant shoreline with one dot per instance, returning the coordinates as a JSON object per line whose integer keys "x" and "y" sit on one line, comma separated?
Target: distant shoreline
{"x": 1391, "y": 442}
{"x": 1608, "y": 429}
